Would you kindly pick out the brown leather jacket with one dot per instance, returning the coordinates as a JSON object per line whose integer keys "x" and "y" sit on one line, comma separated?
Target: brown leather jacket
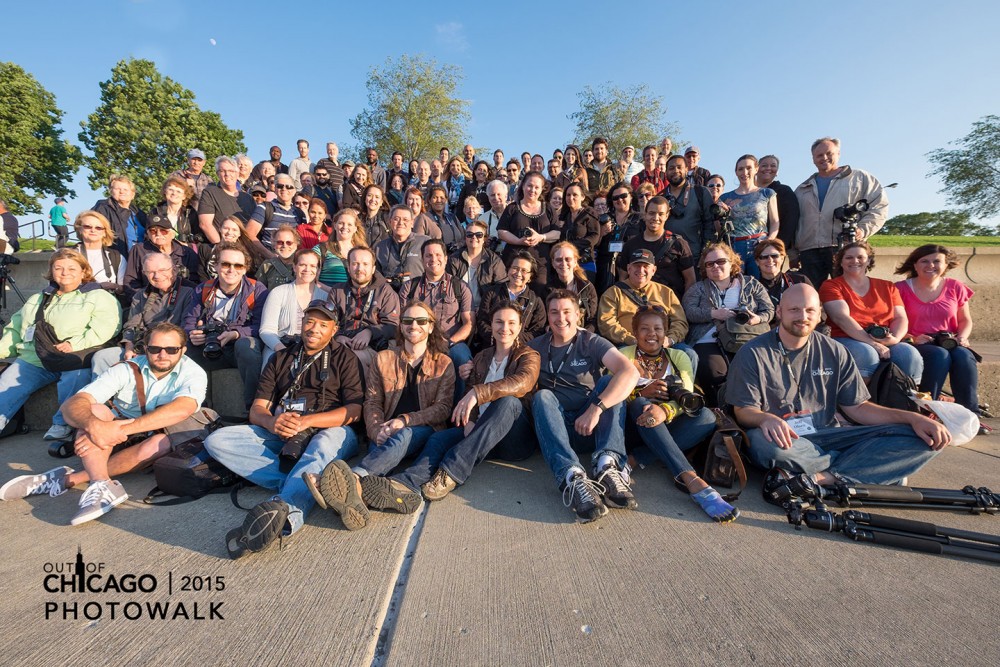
{"x": 519, "y": 377}
{"x": 386, "y": 380}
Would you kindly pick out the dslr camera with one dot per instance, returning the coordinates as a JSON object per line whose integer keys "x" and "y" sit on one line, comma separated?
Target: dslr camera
{"x": 526, "y": 233}
{"x": 848, "y": 217}
{"x": 690, "y": 402}
{"x": 138, "y": 336}
{"x": 945, "y": 339}
{"x": 742, "y": 316}
{"x": 877, "y": 331}
{"x": 212, "y": 348}
{"x": 397, "y": 280}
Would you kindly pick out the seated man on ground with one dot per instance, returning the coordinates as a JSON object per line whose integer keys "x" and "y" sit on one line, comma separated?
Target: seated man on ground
{"x": 786, "y": 386}
{"x": 157, "y": 395}
{"x": 308, "y": 394}
{"x": 408, "y": 397}
{"x": 579, "y": 408}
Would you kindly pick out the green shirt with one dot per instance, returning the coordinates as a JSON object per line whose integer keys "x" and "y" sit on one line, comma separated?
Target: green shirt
{"x": 57, "y": 216}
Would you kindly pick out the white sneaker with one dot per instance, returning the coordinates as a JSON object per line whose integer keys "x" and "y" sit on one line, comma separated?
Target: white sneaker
{"x": 52, "y": 482}
{"x": 58, "y": 432}
{"x": 98, "y": 500}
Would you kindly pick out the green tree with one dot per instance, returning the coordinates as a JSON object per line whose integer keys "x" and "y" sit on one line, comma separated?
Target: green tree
{"x": 942, "y": 223}
{"x": 624, "y": 116}
{"x": 144, "y": 126}
{"x": 413, "y": 107}
{"x": 971, "y": 171}
{"x": 34, "y": 159}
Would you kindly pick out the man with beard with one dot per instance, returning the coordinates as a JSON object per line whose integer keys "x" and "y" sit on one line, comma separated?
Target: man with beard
{"x": 157, "y": 394}
{"x": 368, "y": 307}
{"x": 308, "y": 394}
{"x": 301, "y": 165}
{"x": 377, "y": 172}
{"x": 690, "y": 207}
{"x": 323, "y": 189}
{"x": 786, "y": 386}
{"x": 332, "y": 165}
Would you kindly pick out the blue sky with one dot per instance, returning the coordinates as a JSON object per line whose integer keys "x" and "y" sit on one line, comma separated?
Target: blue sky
{"x": 893, "y": 80}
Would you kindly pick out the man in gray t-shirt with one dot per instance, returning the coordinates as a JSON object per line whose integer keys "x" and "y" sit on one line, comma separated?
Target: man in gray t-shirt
{"x": 577, "y": 408}
{"x": 786, "y": 386}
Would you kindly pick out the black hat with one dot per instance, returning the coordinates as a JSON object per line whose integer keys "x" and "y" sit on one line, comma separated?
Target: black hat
{"x": 324, "y": 307}
{"x": 642, "y": 255}
{"x": 156, "y": 220}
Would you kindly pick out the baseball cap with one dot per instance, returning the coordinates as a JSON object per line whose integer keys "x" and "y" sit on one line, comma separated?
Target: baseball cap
{"x": 630, "y": 146}
{"x": 641, "y": 255}
{"x": 321, "y": 306}
{"x": 196, "y": 152}
{"x": 158, "y": 221}
{"x": 692, "y": 149}
{"x": 258, "y": 188}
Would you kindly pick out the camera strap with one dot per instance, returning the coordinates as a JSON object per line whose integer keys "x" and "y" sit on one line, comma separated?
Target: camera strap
{"x": 298, "y": 370}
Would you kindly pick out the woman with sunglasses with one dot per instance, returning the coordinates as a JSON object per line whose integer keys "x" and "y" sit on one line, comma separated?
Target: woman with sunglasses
{"x": 233, "y": 230}
{"x": 567, "y": 274}
{"x": 623, "y": 224}
{"x": 667, "y": 430}
{"x": 285, "y": 304}
{"x": 754, "y": 212}
{"x": 723, "y": 294}
{"x": 490, "y": 420}
{"x": 410, "y": 396}
{"x": 770, "y": 257}
{"x": 477, "y": 266}
{"x": 279, "y": 270}
{"x": 96, "y": 244}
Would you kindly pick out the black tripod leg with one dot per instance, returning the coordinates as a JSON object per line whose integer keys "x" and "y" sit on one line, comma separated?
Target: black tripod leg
{"x": 918, "y": 527}
{"x": 924, "y": 545}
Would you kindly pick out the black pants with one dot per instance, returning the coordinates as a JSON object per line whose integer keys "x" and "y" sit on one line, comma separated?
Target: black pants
{"x": 62, "y": 235}
{"x": 244, "y": 355}
{"x": 817, "y": 264}
{"x": 713, "y": 365}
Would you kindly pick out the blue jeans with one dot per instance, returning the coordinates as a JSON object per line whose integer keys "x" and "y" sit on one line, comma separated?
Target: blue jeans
{"x": 559, "y": 440}
{"x": 939, "y": 362}
{"x": 381, "y": 459}
{"x": 252, "y": 453}
{"x": 21, "y": 379}
{"x": 669, "y": 442}
{"x": 460, "y": 354}
{"x": 881, "y": 454}
{"x": 745, "y": 250}
{"x": 903, "y": 355}
{"x": 505, "y": 420}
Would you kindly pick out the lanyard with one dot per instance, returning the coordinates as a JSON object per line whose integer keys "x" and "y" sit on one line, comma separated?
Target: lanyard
{"x": 298, "y": 373}
{"x": 569, "y": 352}
{"x": 794, "y": 385}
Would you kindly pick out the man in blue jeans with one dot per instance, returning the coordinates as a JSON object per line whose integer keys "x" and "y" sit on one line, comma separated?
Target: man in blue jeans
{"x": 786, "y": 386}
{"x": 578, "y": 408}
{"x": 308, "y": 394}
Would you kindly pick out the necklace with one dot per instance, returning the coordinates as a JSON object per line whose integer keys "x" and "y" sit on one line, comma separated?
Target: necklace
{"x": 649, "y": 365}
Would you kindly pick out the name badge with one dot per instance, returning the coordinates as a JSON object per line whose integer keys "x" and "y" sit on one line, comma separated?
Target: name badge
{"x": 616, "y": 246}
{"x": 29, "y": 334}
{"x": 294, "y": 405}
{"x": 801, "y": 424}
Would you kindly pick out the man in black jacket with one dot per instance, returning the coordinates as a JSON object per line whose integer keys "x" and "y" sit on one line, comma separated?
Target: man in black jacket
{"x": 367, "y": 305}
{"x": 127, "y": 222}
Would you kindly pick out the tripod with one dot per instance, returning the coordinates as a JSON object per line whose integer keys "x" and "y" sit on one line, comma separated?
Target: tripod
{"x": 900, "y": 533}
{"x": 7, "y": 279}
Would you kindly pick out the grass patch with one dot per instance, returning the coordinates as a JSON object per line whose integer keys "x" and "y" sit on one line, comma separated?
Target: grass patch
{"x": 28, "y": 244}
{"x": 887, "y": 241}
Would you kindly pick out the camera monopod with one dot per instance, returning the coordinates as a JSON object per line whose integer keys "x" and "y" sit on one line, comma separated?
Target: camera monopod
{"x": 899, "y": 533}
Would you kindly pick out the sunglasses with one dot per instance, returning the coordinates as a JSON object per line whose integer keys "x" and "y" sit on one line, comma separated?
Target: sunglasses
{"x": 156, "y": 349}
{"x": 277, "y": 243}
{"x": 92, "y": 228}
{"x": 718, "y": 262}
{"x": 281, "y": 186}
{"x": 774, "y": 257}
{"x": 475, "y": 235}
{"x": 648, "y": 308}
{"x": 623, "y": 196}
{"x": 231, "y": 265}
{"x": 420, "y": 321}
{"x": 715, "y": 187}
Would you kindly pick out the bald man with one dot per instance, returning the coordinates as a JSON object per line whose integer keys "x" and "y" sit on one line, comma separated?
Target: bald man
{"x": 786, "y": 386}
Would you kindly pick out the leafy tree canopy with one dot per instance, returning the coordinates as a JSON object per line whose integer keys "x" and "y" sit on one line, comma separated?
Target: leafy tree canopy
{"x": 624, "y": 116}
{"x": 971, "y": 171}
{"x": 942, "y": 223}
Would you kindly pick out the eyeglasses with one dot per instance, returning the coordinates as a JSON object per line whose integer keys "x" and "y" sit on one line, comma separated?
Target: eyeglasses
{"x": 623, "y": 196}
{"x": 231, "y": 265}
{"x": 775, "y": 257}
{"x": 92, "y": 228}
{"x": 277, "y": 243}
{"x": 420, "y": 321}
{"x": 475, "y": 235}
{"x": 719, "y": 262}
{"x": 283, "y": 186}
{"x": 156, "y": 349}
{"x": 651, "y": 308}
{"x": 717, "y": 186}
{"x": 300, "y": 202}
{"x": 159, "y": 230}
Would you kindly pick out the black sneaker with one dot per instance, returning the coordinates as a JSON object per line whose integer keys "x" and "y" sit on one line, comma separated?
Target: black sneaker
{"x": 382, "y": 493}
{"x": 617, "y": 491}
{"x": 583, "y": 495}
{"x": 262, "y": 526}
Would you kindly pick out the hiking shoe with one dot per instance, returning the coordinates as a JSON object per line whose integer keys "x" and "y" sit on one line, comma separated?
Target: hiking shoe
{"x": 583, "y": 495}
{"x": 441, "y": 485}
{"x": 382, "y": 493}
{"x": 99, "y": 499}
{"x": 338, "y": 488}
{"x": 263, "y": 524}
{"x": 617, "y": 490}
{"x": 52, "y": 482}
{"x": 58, "y": 432}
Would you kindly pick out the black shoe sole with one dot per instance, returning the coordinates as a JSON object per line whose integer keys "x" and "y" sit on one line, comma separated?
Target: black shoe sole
{"x": 339, "y": 489}
{"x": 587, "y": 518}
{"x": 620, "y": 504}
{"x": 378, "y": 493}
{"x": 261, "y": 527}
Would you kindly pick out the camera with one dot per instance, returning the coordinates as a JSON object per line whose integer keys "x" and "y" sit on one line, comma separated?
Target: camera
{"x": 288, "y": 339}
{"x": 397, "y": 280}
{"x": 877, "y": 331}
{"x": 526, "y": 233}
{"x": 138, "y": 337}
{"x": 690, "y": 402}
{"x": 742, "y": 316}
{"x": 945, "y": 339}
{"x": 719, "y": 213}
{"x": 212, "y": 348}
{"x": 6, "y": 260}
{"x": 292, "y": 451}
{"x": 848, "y": 216}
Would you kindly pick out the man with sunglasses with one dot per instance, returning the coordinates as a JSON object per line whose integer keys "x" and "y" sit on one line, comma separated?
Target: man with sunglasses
{"x": 309, "y": 394}
{"x": 322, "y": 188}
{"x": 270, "y": 215}
{"x": 224, "y": 319}
{"x": 157, "y": 395}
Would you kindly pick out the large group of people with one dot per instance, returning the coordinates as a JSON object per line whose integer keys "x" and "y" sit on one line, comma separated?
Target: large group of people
{"x": 428, "y": 315}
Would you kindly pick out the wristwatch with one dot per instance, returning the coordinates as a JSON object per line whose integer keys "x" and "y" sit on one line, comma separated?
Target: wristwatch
{"x": 601, "y": 406}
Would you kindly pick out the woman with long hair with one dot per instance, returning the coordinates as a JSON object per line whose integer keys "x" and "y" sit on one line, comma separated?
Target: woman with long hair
{"x": 422, "y": 223}
{"x": 96, "y": 241}
{"x": 374, "y": 212}
{"x": 314, "y": 230}
{"x": 354, "y": 187}
{"x": 622, "y": 225}
{"x": 525, "y": 224}
{"x": 285, "y": 305}
{"x": 476, "y": 187}
{"x": 754, "y": 212}
{"x": 580, "y": 226}
{"x": 458, "y": 175}
{"x": 347, "y": 234}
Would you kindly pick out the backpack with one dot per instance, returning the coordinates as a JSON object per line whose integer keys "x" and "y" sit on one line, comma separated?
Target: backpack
{"x": 723, "y": 456}
{"x": 890, "y": 387}
{"x": 189, "y": 473}
{"x": 15, "y": 426}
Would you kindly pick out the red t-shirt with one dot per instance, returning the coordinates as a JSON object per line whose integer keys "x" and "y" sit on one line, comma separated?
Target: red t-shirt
{"x": 876, "y": 307}
{"x": 941, "y": 314}
{"x": 310, "y": 238}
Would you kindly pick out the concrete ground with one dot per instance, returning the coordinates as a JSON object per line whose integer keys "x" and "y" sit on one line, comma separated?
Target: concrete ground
{"x": 496, "y": 574}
